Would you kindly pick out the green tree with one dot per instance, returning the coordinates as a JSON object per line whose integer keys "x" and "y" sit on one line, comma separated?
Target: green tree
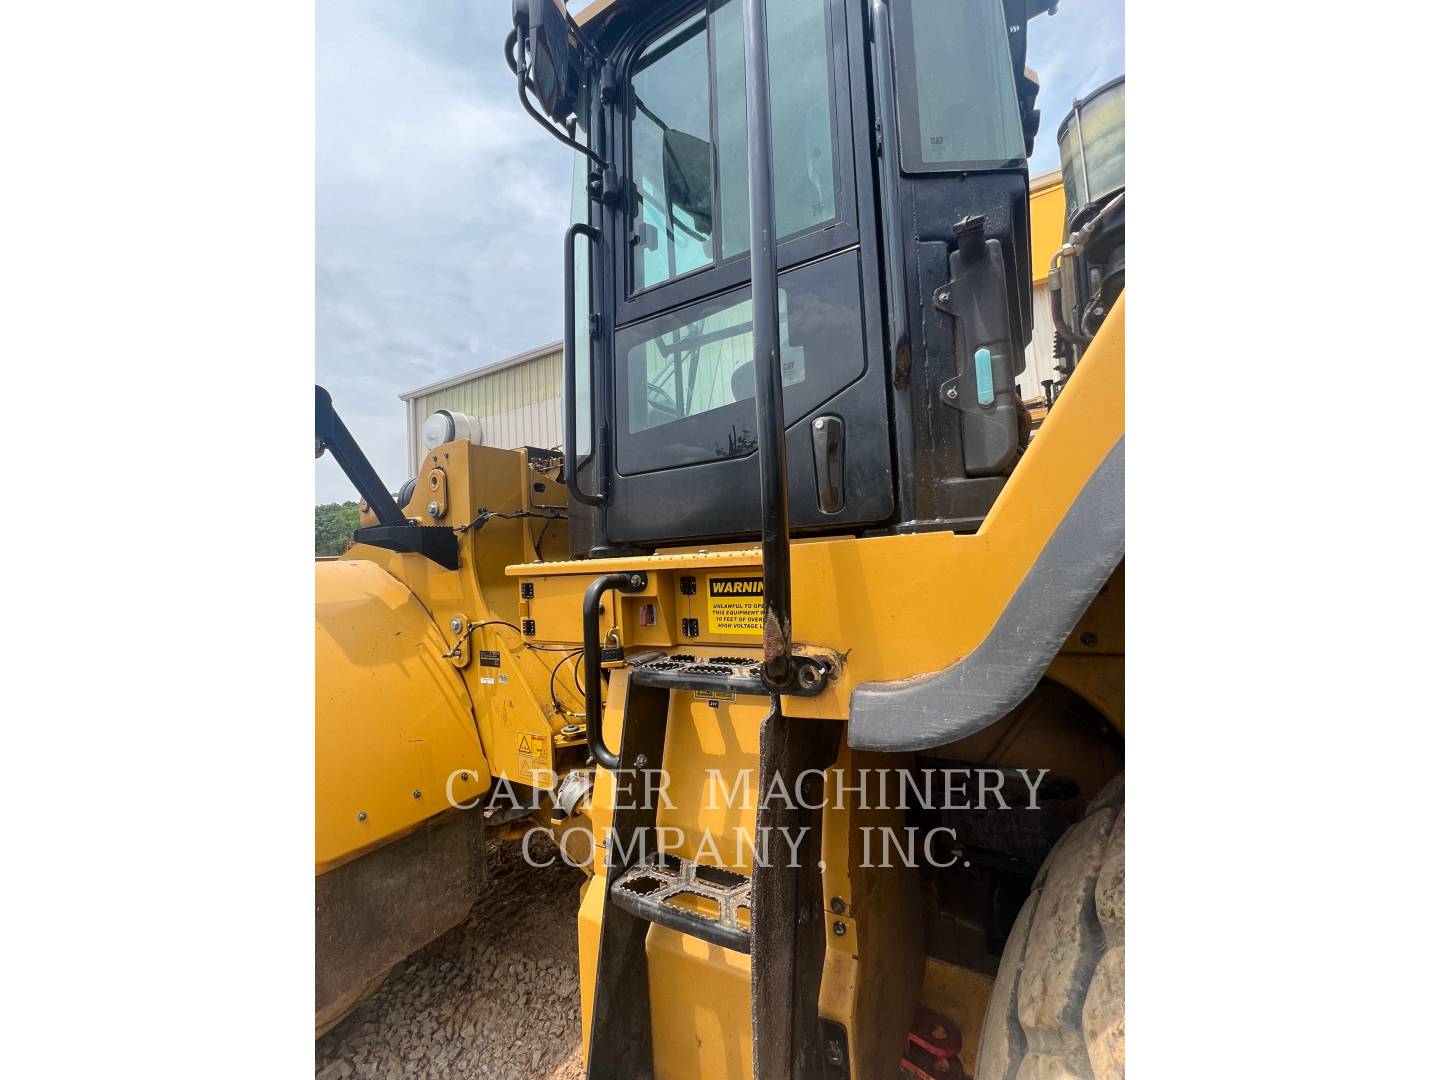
{"x": 335, "y": 525}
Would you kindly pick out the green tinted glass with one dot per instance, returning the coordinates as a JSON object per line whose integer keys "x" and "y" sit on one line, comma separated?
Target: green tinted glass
{"x": 689, "y": 167}
{"x": 670, "y": 155}
{"x": 959, "y": 107}
{"x": 702, "y": 365}
{"x": 800, "y": 118}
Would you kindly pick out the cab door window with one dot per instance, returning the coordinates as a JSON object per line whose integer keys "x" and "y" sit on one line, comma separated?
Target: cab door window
{"x": 686, "y": 392}
{"x": 670, "y": 154}
{"x": 689, "y": 207}
{"x": 801, "y": 113}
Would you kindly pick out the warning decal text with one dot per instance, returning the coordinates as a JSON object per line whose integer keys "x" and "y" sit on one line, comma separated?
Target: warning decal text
{"x": 736, "y": 605}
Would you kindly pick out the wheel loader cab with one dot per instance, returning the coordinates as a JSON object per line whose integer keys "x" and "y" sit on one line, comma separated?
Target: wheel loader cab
{"x": 798, "y": 305}
{"x": 899, "y": 136}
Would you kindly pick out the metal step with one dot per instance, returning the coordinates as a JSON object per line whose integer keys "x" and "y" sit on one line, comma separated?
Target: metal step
{"x": 685, "y": 671}
{"x": 655, "y": 890}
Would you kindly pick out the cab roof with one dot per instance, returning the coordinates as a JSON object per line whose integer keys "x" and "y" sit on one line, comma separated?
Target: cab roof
{"x": 598, "y": 16}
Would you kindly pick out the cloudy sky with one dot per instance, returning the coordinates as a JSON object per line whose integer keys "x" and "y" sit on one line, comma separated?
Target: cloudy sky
{"x": 440, "y": 206}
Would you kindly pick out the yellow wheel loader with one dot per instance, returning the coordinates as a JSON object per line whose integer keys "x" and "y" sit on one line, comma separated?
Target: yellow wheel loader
{"x": 797, "y": 647}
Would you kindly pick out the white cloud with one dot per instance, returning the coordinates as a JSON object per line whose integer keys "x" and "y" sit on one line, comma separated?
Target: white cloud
{"x": 439, "y": 211}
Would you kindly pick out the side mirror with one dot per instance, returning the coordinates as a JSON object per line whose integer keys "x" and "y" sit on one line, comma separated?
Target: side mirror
{"x": 556, "y": 58}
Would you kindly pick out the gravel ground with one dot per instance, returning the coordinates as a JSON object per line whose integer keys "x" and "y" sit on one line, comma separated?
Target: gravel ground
{"x": 497, "y": 997}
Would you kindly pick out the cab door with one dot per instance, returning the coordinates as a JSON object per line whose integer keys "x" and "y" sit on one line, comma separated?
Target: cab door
{"x": 682, "y": 407}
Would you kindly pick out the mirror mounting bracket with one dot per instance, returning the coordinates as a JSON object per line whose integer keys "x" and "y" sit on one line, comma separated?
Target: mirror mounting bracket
{"x": 603, "y": 185}
{"x": 521, "y": 46}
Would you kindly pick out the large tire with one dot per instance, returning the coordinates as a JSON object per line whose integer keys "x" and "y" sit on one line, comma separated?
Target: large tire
{"x": 1057, "y": 1011}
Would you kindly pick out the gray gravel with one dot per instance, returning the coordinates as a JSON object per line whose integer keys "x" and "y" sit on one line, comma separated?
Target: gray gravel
{"x": 497, "y": 997}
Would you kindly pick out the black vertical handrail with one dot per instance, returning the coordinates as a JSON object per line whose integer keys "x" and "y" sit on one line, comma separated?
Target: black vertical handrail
{"x": 572, "y": 476}
{"x": 778, "y": 668}
{"x": 590, "y": 609}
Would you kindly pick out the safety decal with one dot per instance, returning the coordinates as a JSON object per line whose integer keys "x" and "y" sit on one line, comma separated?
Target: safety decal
{"x": 736, "y": 605}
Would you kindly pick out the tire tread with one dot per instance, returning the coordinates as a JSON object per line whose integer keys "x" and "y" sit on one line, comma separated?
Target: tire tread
{"x": 1057, "y": 1010}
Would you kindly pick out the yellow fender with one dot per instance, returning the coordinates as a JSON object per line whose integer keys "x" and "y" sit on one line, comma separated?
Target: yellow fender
{"x": 394, "y": 724}
{"x": 395, "y": 743}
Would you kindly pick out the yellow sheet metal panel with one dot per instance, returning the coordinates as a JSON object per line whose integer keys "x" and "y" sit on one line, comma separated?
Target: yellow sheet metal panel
{"x": 712, "y": 772}
{"x": 871, "y": 975}
{"x": 592, "y": 907}
{"x": 1047, "y": 223}
{"x": 392, "y": 718}
{"x": 593, "y": 10}
{"x": 592, "y": 897}
{"x": 705, "y": 559}
{"x": 699, "y": 1008}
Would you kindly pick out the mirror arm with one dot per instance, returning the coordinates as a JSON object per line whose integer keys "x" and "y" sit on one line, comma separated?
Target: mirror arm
{"x": 514, "y": 59}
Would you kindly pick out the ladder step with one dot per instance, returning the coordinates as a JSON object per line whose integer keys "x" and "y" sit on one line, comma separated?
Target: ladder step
{"x": 683, "y": 671}
{"x": 705, "y": 902}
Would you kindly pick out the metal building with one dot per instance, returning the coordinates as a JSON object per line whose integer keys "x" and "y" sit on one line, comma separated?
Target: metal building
{"x": 518, "y": 400}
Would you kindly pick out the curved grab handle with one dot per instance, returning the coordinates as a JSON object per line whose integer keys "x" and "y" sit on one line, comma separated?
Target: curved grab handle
{"x": 630, "y": 581}
{"x": 572, "y": 479}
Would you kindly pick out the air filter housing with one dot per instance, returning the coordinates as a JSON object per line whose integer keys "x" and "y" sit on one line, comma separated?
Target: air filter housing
{"x": 444, "y": 426}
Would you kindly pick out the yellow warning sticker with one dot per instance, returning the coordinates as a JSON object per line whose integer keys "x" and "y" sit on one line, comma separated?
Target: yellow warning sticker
{"x": 532, "y": 758}
{"x": 736, "y": 605}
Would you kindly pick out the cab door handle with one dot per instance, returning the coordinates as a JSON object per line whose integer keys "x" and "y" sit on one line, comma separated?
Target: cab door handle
{"x": 827, "y": 440}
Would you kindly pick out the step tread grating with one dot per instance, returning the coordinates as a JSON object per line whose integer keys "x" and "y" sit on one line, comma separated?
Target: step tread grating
{"x": 647, "y": 889}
